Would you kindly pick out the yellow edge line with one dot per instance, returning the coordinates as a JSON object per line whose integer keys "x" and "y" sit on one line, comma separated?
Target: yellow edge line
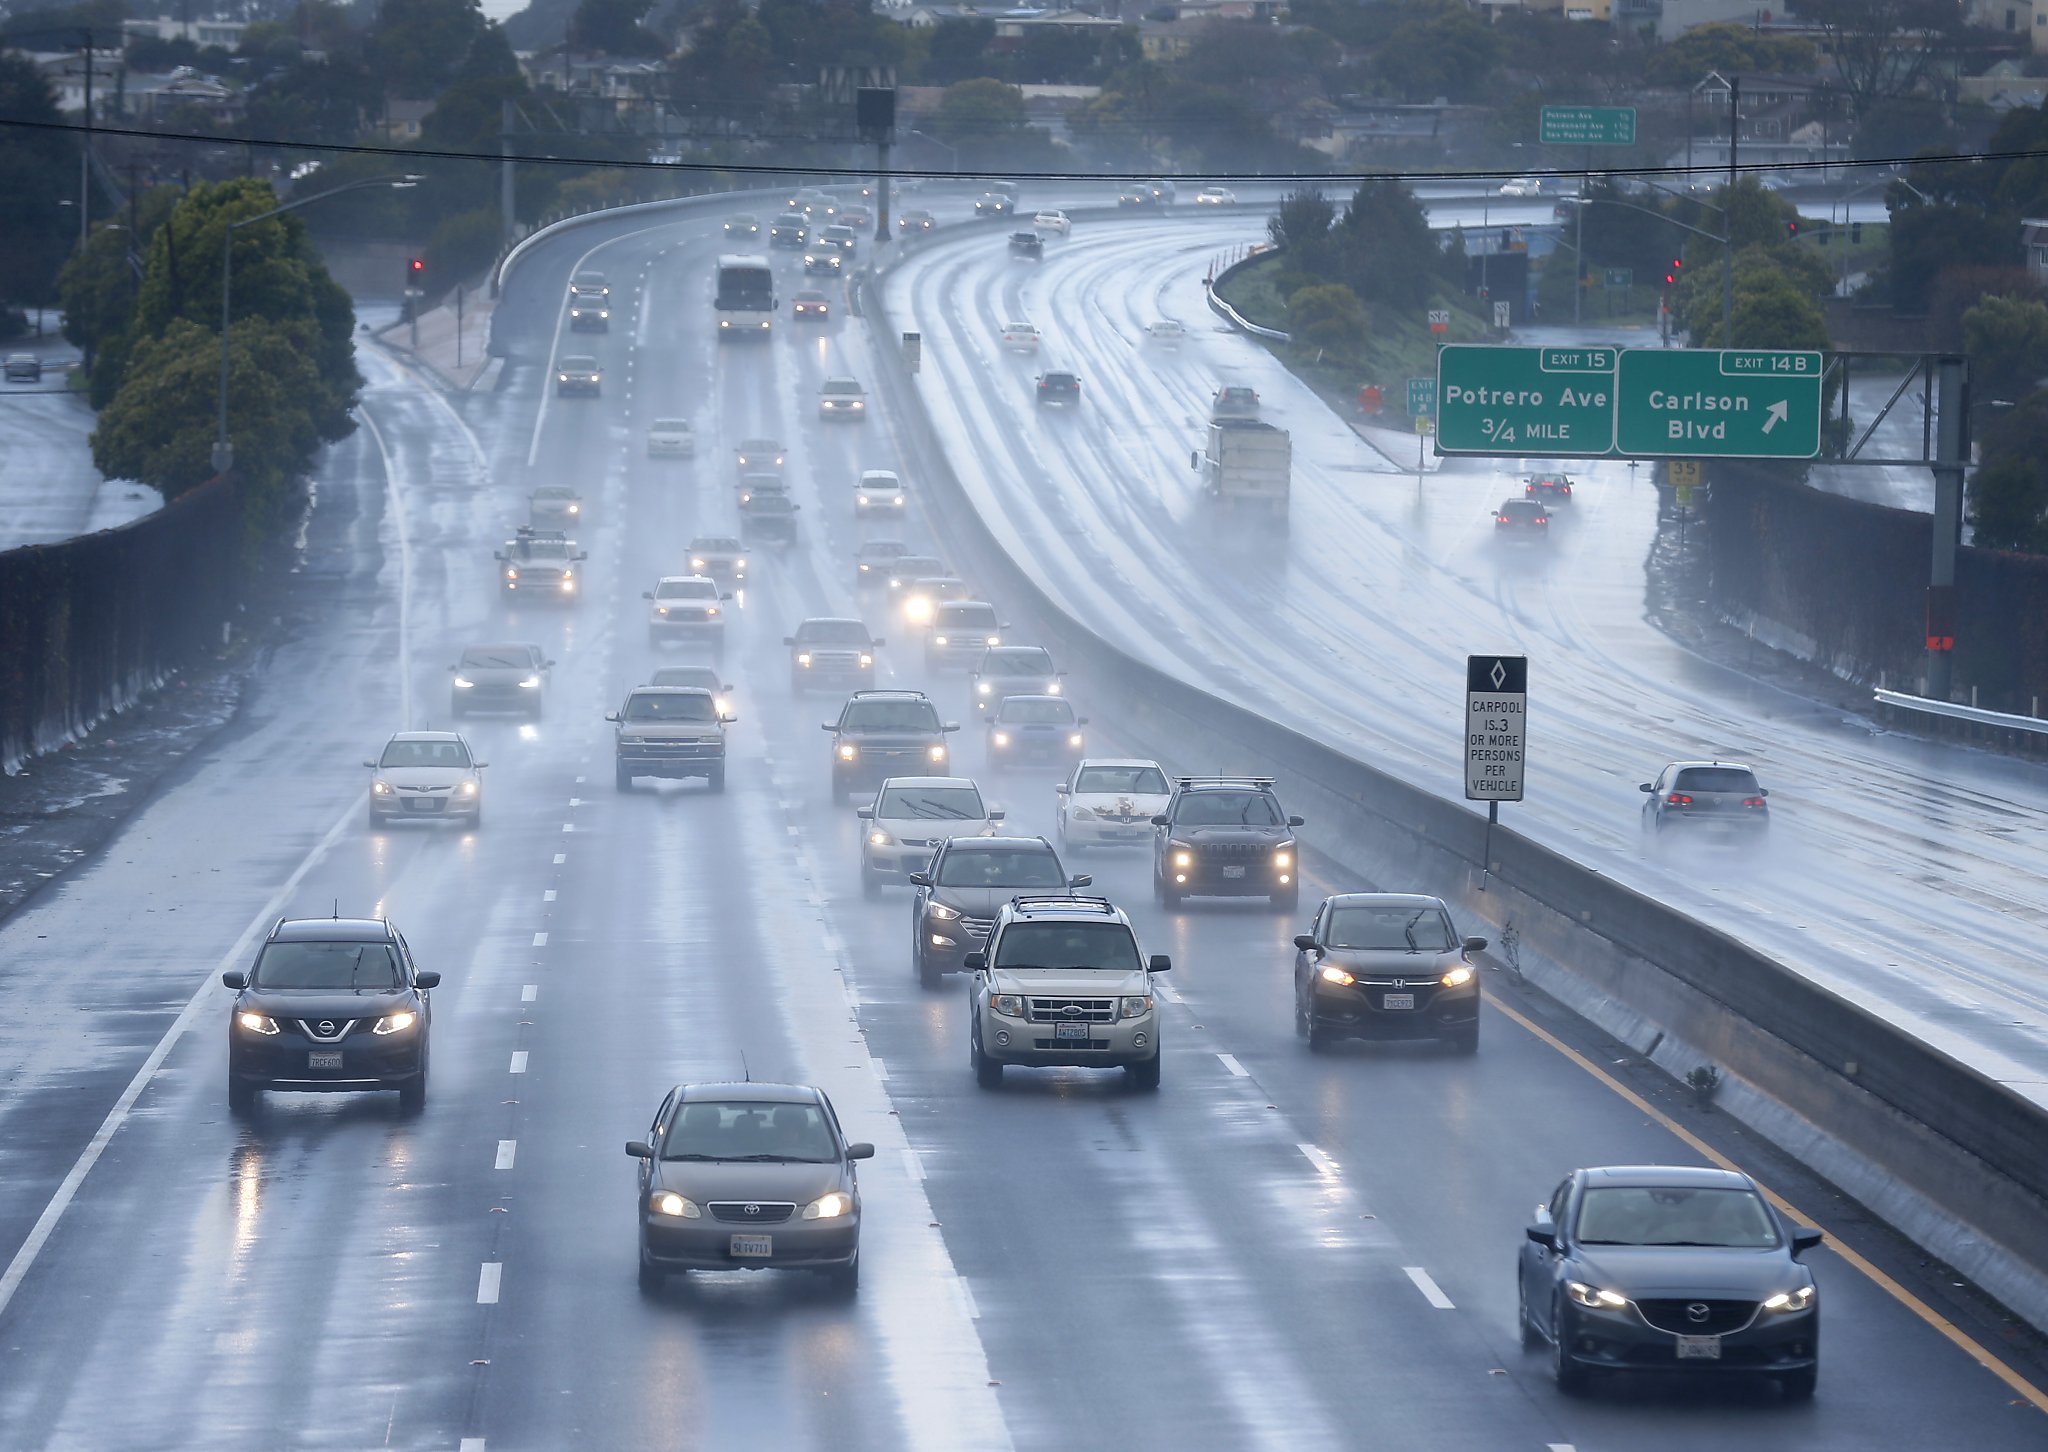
{"x": 1961, "y": 1339}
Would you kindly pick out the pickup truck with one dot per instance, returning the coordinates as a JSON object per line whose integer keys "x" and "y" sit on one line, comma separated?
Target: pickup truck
{"x": 671, "y": 731}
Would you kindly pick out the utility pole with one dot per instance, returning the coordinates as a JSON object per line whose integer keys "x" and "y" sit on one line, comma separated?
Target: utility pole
{"x": 1951, "y": 453}
{"x": 1579, "y": 243}
{"x": 874, "y": 116}
{"x": 85, "y": 154}
{"x": 509, "y": 223}
{"x": 1728, "y": 217}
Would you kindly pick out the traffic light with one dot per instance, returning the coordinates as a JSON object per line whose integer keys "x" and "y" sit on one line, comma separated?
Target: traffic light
{"x": 1672, "y": 276}
{"x": 416, "y": 270}
{"x": 1791, "y": 226}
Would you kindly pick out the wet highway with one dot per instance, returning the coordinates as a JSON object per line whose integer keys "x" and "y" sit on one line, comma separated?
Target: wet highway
{"x": 1274, "y": 1251}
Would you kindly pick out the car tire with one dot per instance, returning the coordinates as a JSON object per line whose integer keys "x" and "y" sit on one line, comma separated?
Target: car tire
{"x": 1301, "y": 1019}
{"x": 988, "y": 1073}
{"x": 653, "y": 1279}
{"x": 1288, "y": 901}
{"x": 1319, "y": 1038}
{"x": 241, "y": 1095}
{"x": 622, "y": 778}
{"x": 476, "y": 818}
{"x": 376, "y": 819}
{"x": 928, "y": 975}
{"x": 844, "y": 1280}
{"x": 412, "y": 1094}
{"x": 870, "y": 884}
{"x": 1465, "y": 1040}
{"x": 1797, "y": 1386}
{"x": 1168, "y": 897}
{"x": 715, "y": 778}
{"x": 1572, "y": 1379}
{"x": 1146, "y": 1075}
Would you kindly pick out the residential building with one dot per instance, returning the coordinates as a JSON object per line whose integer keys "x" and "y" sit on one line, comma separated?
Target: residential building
{"x": 226, "y": 34}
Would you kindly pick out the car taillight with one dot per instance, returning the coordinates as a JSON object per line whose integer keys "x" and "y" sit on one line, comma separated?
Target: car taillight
{"x": 1752, "y": 801}
{"x": 1679, "y": 799}
{"x": 1530, "y": 490}
{"x": 1500, "y": 519}
{"x": 1542, "y": 519}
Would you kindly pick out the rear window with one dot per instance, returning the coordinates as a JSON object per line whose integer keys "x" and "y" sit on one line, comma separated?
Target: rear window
{"x": 1716, "y": 779}
{"x": 1521, "y": 508}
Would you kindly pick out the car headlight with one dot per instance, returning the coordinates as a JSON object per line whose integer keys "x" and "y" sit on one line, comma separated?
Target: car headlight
{"x": 668, "y": 1202}
{"x": 395, "y": 1023}
{"x": 466, "y": 789}
{"x": 381, "y": 788}
{"x": 1786, "y": 1301}
{"x": 511, "y": 574}
{"x": 1052, "y": 688}
{"x": 936, "y": 753}
{"x": 1009, "y": 1005}
{"x": 1182, "y": 857}
{"x": 1137, "y": 1005}
{"x": 866, "y": 659}
{"x": 1458, "y": 977}
{"x": 860, "y": 403}
{"x": 562, "y": 377}
{"x": 879, "y": 839}
{"x": 696, "y": 564}
{"x": 257, "y": 1023}
{"x": 1074, "y": 739}
{"x": 462, "y": 684}
{"x": 943, "y": 913}
{"x": 575, "y": 509}
{"x": 1283, "y": 859}
{"x": 993, "y": 640}
{"x": 709, "y": 611}
{"x": 1595, "y": 1298}
{"x": 661, "y": 610}
{"x": 939, "y": 640}
{"x": 848, "y": 751}
{"x": 863, "y": 499}
{"x": 984, "y": 689}
{"x": 568, "y": 582}
{"x": 829, "y": 1206}
{"x": 1331, "y": 973}
{"x": 531, "y": 683}
{"x": 804, "y": 659}
{"x": 1001, "y": 738}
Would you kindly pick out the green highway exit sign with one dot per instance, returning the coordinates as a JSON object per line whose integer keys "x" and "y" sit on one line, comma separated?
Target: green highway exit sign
{"x": 1587, "y": 126}
{"x": 1743, "y": 403}
{"x": 1552, "y": 401}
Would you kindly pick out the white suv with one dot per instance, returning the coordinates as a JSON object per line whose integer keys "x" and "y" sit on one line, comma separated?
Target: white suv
{"x": 1061, "y": 982}
{"x": 879, "y": 492}
{"x": 910, "y": 817}
{"x": 1108, "y": 803}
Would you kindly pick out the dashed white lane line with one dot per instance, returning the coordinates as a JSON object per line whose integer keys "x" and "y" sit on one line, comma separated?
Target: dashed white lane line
{"x": 581, "y": 779}
{"x": 1323, "y": 1163}
{"x": 529, "y": 993}
{"x": 560, "y": 858}
{"x": 1560, "y": 1447}
{"x": 548, "y": 896}
{"x": 508, "y": 1150}
{"x": 575, "y": 801}
{"x": 1431, "y": 1291}
{"x": 540, "y": 940}
{"x": 470, "y": 1444}
{"x": 487, "y": 1283}
{"x": 518, "y": 1061}
{"x": 568, "y": 826}
{"x": 1230, "y": 1062}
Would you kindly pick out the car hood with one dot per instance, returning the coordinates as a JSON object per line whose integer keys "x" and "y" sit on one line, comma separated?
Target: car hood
{"x": 983, "y": 902}
{"x": 1071, "y": 982}
{"x": 1034, "y": 728}
{"x": 1230, "y": 836}
{"x": 1124, "y": 805}
{"x": 316, "y": 1005}
{"x": 1392, "y": 962}
{"x": 1655, "y": 1272}
{"x": 496, "y": 675}
{"x": 932, "y": 829}
{"x": 422, "y": 778}
{"x": 706, "y": 1180}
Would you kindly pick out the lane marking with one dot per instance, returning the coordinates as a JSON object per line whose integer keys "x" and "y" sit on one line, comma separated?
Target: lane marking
{"x": 1230, "y": 1062}
{"x": 1323, "y": 1163}
{"x": 518, "y": 1061}
{"x": 568, "y": 826}
{"x": 560, "y": 858}
{"x": 881, "y": 1069}
{"x": 1560, "y": 1447}
{"x": 1948, "y": 1330}
{"x": 507, "y": 1150}
{"x": 487, "y": 1283}
{"x": 540, "y": 940}
{"x": 67, "y": 1190}
{"x": 1171, "y": 995}
{"x": 913, "y": 1163}
{"x": 1431, "y": 1291}
{"x": 476, "y": 1444}
{"x": 529, "y": 993}
{"x": 548, "y": 896}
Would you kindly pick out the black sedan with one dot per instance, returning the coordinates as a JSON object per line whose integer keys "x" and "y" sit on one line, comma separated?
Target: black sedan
{"x": 1383, "y": 965}
{"x": 747, "y": 1176}
{"x": 1671, "y": 1270}
{"x": 1027, "y": 244}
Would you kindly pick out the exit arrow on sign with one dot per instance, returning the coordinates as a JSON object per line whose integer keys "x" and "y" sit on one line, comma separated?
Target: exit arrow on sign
{"x": 1775, "y": 414}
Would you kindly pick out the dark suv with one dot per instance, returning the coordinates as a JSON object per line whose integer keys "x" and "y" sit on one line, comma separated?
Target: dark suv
{"x": 330, "y": 1004}
{"x": 1225, "y": 837}
{"x": 1713, "y": 798}
{"x": 831, "y": 651}
{"x": 881, "y": 734}
{"x": 959, "y": 893}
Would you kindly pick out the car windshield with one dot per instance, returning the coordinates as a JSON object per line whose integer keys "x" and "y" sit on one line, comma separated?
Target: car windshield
{"x": 966, "y": 617}
{"x": 691, "y": 706}
{"x": 1398, "y": 927}
{"x": 743, "y": 1130}
{"x": 580, "y": 365}
{"x": 332, "y": 967}
{"x": 686, "y": 590}
{"x": 1032, "y": 712}
{"x": 1123, "y": 780}
{"x": 702, "y": 677}
{"x": 1736, "y": 1219}
{"x": 890, "y": 716}
{"x": 841, "y": 385}
{"x": 760, "y": 451}
{"x": 671, "y": 426}
{"x": 879, "y": 479}
{"x": 425, "y": 753}
{"x": 503, "y": 657}
{"x": 541, "y": 549}
{"x": 832, "y": 632}
{"x": 1017, "y": 663}
{"x": 1068, "y": 945}
{"x": 1227, "y": 809}
{"x": 882, "y": 549}
{"x": 1001, "y": 867}
{"x": 1019, "y": 328}
{"x": 553, "y": 495}
{"x": 940, "y": 803}
{"x": 1716, "y": 779}
{"x": 718, "y": 545}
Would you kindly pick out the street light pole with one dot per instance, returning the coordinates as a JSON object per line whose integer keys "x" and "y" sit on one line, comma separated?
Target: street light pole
{"x": 1728, "y": 217}
{"x": 223, "y": 450}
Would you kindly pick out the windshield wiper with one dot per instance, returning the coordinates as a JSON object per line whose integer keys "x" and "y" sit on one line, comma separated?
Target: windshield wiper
{"x": 1408, "y": 932}
{"x": 690, "y": 1155}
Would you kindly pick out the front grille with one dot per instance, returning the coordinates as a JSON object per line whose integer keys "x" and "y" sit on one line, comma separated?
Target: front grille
{"x": 977, "y": 928}
{"x": 1235, "y": 851}
{"x": 835, "y": 660}
{"x": 892, "y": 753}
{"x": 1720, "y": 1318}
{"x": 676, "y": 750}
{"x": 326, "y": 1030}
{"x": 752, "y": 1212}
{"x": 1071, "y": 1010}
{"x": 1098, "y": 1044}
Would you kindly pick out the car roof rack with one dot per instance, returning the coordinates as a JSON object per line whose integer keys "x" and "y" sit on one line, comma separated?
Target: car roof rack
{"x": 1253, "y": 781}
{"x": 1069, "y": 901}
{"x": 890, "y": 691}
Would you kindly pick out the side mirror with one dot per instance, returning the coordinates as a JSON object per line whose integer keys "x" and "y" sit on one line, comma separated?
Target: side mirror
{"x": 920, "y": 879}
{"x": 727, "y": 719}
{"x": 426, "y": 979}
{"x": 547, "y": 665}
{"x": 996, "y": 814}
{"x": 789, "y": 640}
{"x": 1646, "y": 787}
{"x": 1162, "y": 822}
{"x": 452, "y": 669}
{"x": 371, "y": 764}
{"x": 1159, "y": 963}
{"x": 614, "y": 715}
{"x": 639, "y": 1149}
{"x": 827, "y": 726}
{"x": 1059, "y": 789}
{"x": 583, "y": 554}
{"x": 860, "y": 1151}
{"x": 1081, "y": 881}
{"x": 877, "y": 643}
{"x": 1805, "y": 1238}
{"x": 866, "y": 814}
{"x": 235, "y": 978}
{"x": 1294, "y": 821}
{"x": 497, "y": 554}
{"x": 646, "y": 594}
{"x": 1194, "y": 458}
{"x": 725, "y": 594}
{"x": 1475, "y": 945}
{"x": 1763, "y": 791}
{"x": 479, "y": 765}
{"x": 1305, "y": 941}
{"x": 975, "y": 962}
{"x": 1542, "y": 1235}
{"x": 950, "y": 726}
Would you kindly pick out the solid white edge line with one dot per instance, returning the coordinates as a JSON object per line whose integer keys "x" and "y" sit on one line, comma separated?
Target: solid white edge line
{"x": 1230, "y": 1062}
{"x": 1431, "y": 1291}
{"x": 1559, "y": 1447}
{"x": 508, "y": 1150}
{"x": 518, "y": 1061}
{"x": 66, "y": 1191}
{"x": 487, "y": 1281}
{"x": 397, "y": 493}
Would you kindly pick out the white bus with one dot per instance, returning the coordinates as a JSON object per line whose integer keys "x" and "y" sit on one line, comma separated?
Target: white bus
{"x": 745, "y": 299}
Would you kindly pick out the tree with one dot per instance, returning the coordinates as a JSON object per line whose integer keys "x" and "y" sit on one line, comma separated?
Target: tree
{"x": 959, "y": 50}
{"x": 2009, "y": 493}
{"x": 1385, "y": 250}
{"x": 614, "y": 27}
{"x": 417, "y": 46}
{"x": 1327, "y": 317}
{"x": 1440, "y": 50}
{"x": 2007, "y": 339}
{"x": 1303, "y": 220}
{"x": 98, "y": 285}
{"x": 38, "y": 170}
{"x": 1926, "y": 241}
{"x": 1883, "y": 49}
{"x": 1727, "y": 48}
{"x": 1771, "y": 310}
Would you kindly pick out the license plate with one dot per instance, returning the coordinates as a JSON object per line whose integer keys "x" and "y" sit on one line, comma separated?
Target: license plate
{"x": 1233, "y": 872}
{"x": 1699, "y": 1348}
{"x": 753, "y": 1245}
{"x": 422, "y": 804}
{"x": 1398, "y": 1000}
{"x": 1064, "y": 1032}
{"x": 324, "y": 1059}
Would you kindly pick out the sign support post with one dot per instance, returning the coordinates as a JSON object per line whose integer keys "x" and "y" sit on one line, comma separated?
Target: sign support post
{"x": 1496, "y": 737}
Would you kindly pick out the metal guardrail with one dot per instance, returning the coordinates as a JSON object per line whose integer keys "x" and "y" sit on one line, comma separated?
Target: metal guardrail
{"x": 1953, "y": 711}
{"x": 1231, "y": 315}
